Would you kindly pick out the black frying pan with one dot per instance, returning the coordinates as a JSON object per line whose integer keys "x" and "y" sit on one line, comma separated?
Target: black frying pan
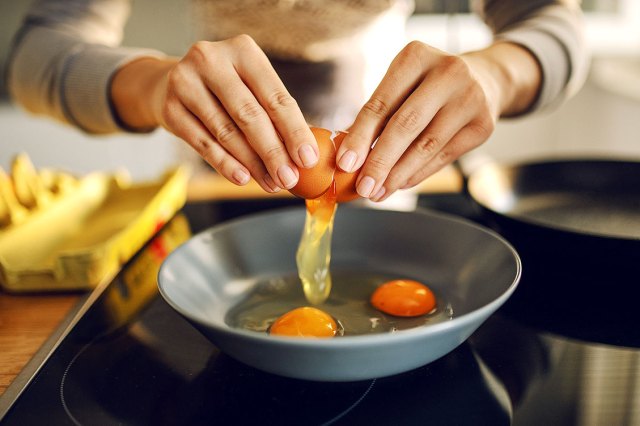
{"x": 595, "y": 200}
{"x": 576, "y": 225}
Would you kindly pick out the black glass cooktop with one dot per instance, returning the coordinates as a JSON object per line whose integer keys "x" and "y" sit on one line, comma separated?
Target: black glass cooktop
{"x": 551, "y": 355}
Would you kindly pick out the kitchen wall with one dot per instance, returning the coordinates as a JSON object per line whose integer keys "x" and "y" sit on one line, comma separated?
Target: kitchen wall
{"x": 145, "y": 27}
{"x": 603, "y": 119}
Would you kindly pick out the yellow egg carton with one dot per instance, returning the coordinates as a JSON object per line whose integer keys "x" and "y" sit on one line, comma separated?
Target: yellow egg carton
{"x": 59, "y": 232}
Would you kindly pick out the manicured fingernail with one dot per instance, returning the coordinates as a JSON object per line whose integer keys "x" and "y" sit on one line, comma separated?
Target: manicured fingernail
{"x": 270, "y": 183}
{"x": 308, "y": 155}
{"x": 365, "y": 186}
{"x": 379, "y": 194}
{"x": 241, "y": 177}
{"x": 348, "y": 161}
{"x": 287, "y": 176}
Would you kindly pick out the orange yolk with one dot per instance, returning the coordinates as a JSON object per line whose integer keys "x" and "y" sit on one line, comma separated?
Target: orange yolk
{"x": 403, "y": 298}
{"x": 305, "y": 322}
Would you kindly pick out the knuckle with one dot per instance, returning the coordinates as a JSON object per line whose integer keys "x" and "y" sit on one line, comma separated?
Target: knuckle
{"x": 177, "y": 75}
{"x": 454, "y": 65}
{"x": 243, "y": 41}
{"x": 427, "y": 146}
{"x": 476, "y": 96}
{"x": 298, "y": 134}
{"x": 168, "y": 112}
{"x": 414, "y": 47}
{"x": 411, "y": 55}
{"x": 377, "y": 164}
{"x": 248, "y": 113}
{"x": 486, "y": 127}
{"x": 445, "y": 156}
{"x": 226, "y": 132}
{"x": 407, "y": 121}
{"x": 376, "y": 107}
{"x": 358, "y": 142}
{"x": 215, "y": 162}
{"x": 201, "y": 146}
{"x": 200, "y": 50}
{"x": 274, "y": 153}
{"x": 214, "y": 159}
{"x": 280, "y": 100}
{"x": 482, "y": 129}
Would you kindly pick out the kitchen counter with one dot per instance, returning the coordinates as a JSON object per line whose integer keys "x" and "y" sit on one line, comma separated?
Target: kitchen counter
{"x": 26, "y": 322}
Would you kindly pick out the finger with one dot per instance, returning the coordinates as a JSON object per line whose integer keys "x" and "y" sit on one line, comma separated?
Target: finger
{"x": 442, "y": 128}
{"x": 403, "y": 128}
{"x": 251, "y": 118}
{"x": 187, "y": 127}
{"x": 403, "y": 75}
{"x": 280, "y": 106}
{"x": 201, "y": 103}
{"x": 468, "y": 138}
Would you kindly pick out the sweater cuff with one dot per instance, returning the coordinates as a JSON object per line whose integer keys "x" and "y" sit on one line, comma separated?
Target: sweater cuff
{"x": 84, "y": 90}
{"x": 554, "y": 37}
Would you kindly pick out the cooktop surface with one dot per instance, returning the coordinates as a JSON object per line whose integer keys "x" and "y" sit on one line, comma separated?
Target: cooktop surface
{"x": 551, "y": 355}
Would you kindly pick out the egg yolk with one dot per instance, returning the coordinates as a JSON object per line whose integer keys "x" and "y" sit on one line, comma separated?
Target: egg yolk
{"x": 403, "y": 298}
{"x": 305, "y": 322}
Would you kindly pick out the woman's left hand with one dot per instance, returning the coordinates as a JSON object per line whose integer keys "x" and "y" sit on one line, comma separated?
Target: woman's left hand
{"x": 429, "y": 109}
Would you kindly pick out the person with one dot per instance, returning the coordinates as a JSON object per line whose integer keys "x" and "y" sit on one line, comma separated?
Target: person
{"x": 243, "y": 98}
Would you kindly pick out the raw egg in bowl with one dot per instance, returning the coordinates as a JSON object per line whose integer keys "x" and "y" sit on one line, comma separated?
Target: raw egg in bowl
{"x": 217, "y": 277}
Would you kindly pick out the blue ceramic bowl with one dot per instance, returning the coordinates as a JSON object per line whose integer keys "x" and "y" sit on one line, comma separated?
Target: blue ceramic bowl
{"x": 215, "y": 270}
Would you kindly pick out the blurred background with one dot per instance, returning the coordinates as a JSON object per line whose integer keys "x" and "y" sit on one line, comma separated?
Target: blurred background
{"x": 603, "y": 119}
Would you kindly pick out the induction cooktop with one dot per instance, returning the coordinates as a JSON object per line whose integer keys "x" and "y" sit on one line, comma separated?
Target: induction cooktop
{"x": 551, "y": 355}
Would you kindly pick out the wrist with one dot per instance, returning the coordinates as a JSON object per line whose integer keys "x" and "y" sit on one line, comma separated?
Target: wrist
{"x": 511, "y": 74}
{"x": 137, "y": 92}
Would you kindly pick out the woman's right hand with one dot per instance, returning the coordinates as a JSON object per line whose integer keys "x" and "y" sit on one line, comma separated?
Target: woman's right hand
{"x": 227, "y": 102}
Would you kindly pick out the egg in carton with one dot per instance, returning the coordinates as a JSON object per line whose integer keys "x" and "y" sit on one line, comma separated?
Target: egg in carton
{"x": 59, "y": 232}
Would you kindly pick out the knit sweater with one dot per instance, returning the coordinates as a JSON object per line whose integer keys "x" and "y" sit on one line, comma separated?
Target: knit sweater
{"x": 67, "y": 51}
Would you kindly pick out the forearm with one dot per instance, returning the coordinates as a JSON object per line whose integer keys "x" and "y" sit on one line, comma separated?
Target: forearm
{"x": 64, "y": 57}
{"x": 137, "y": 92}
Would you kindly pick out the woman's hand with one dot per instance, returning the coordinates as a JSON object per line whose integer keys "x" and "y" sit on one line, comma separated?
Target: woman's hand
{"x": 227, "y": 102}
{"x": 430, "y": 108}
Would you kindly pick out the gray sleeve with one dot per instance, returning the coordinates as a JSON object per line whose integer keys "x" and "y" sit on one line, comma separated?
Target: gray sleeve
{"x": 64, "y": 56}
{"x": 553, "y": 31}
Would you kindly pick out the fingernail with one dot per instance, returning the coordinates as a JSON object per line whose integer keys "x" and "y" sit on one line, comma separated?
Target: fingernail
{"x": 379, "y": 194}
{"x": 241, "y": 177}
{"x": 308, "y": 155}
{"x": 287, "y": 176}
{"x": 348, "y": 161}
{"x": 270, "y": 183}
{"x": 366, "y": 186}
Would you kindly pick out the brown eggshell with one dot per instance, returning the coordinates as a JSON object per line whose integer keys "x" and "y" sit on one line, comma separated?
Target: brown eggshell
{"x": 315, "y": 181}
{"x": 345, "y": 182}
